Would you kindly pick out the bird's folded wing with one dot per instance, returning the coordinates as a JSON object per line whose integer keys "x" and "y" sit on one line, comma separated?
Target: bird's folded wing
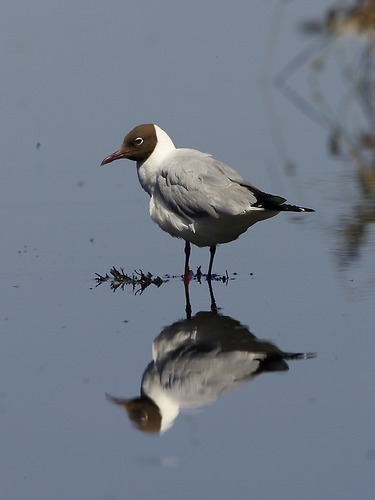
{"x": 194, "y": 184}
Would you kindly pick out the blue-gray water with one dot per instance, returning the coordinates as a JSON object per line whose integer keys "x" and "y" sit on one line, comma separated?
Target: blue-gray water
{"x": 77, "y": 77}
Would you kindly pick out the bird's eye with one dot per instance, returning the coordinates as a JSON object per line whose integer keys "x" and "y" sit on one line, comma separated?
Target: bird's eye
{"x": 138, "y": 141}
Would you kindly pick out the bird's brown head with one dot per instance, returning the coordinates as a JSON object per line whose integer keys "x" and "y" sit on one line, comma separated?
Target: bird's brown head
{"x": 142, "y": 412}
{"x": 138, "y": 145}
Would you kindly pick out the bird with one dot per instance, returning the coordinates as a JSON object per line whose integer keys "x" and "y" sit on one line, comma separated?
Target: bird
{"x": 194, "y": 363}
{"x": 193, "y": 196}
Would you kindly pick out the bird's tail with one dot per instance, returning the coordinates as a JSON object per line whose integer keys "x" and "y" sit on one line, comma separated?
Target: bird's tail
{"x": 298, "y": 355}
{"x": 284, "y": 207}
{"x": 277, "y": 361}
{"x": 273, "y": 202}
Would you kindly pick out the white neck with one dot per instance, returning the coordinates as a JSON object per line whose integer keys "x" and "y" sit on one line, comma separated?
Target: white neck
{"x": 149, "y": 169}
{"x": 168, "y": 408}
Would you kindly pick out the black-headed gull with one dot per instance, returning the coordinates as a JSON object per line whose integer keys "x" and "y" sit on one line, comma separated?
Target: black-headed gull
{"x": 192, "y": 195}
{"x": 197, "y": 361}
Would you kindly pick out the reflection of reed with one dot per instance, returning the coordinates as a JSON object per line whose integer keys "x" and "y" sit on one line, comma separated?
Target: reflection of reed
{"x": 348, "y": 116}
{"x": 358, "y": 19}
{"x": 196, "y": 361}
{"x": 354, "y": 228}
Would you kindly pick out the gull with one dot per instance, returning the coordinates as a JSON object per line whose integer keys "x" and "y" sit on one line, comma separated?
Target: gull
{"x": 194, "y": 363}
{"x": 193, "y": 196}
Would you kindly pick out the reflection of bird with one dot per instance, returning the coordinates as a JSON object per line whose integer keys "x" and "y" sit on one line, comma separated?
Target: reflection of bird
{"x": 194, "y": 363}
{"x": 194, "y": 196}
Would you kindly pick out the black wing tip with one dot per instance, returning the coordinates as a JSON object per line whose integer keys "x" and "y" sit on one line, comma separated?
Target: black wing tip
{"x": 288, "y": 356}
{"x": 301, "y": 355}
{"x": 294, "y": 208}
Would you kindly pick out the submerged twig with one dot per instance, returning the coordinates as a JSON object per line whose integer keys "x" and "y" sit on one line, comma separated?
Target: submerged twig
{"x": 139, "y": 281}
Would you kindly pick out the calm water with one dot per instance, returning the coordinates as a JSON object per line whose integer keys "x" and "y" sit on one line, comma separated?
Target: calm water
{"x": 74, "y": 80}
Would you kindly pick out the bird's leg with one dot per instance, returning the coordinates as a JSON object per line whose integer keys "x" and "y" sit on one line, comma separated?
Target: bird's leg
{"x": 212, "y": 255}
{"x": 187, "y": 256}
{"x": 187, "y": 300}
{"x": 212, "y": 297}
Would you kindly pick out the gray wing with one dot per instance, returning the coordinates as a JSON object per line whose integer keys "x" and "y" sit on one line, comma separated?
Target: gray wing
{"x": 194, "y": 184}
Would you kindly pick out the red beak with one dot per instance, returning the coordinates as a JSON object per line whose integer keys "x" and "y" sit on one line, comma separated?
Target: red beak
{"x": 114, "y": 156}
